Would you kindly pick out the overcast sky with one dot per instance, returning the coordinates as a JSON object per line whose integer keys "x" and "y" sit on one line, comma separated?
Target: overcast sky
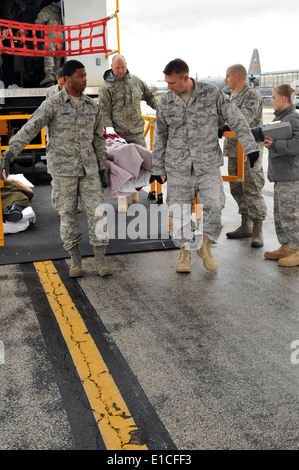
{"x": 209, "y": 35}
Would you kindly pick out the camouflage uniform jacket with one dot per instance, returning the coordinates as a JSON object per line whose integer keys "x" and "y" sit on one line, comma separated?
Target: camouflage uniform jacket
{"x": 283, "y": 161}
{"x": 52, "y": 90}
{"x": 187, "y": 135}
{"x": 250, "y": 103}
{"x": 76, "y": 145}
{"x": 119, "y": 100}
{"x": 50, "y": 15}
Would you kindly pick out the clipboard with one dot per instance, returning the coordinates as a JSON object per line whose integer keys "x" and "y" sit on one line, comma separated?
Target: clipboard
{"x": 278, "y": 130}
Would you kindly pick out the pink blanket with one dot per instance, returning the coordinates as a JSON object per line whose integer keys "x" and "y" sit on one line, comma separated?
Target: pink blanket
{"x": 130, "y": 166}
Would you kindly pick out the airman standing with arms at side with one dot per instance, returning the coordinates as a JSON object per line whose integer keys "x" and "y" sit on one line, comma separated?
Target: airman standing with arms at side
{"x": 247, "y": 194}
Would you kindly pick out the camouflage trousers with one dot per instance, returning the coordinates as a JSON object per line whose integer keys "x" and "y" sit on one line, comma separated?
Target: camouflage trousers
{"x": 286, "y": 212}
{"x": 52, "y": 64}
{"x": 65, "y": 193}
{"x": 181, "y": 193}
{"x": 248, "y": 195}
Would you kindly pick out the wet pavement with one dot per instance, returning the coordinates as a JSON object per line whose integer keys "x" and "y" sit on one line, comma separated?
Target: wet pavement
{"x": 203, "y": 360}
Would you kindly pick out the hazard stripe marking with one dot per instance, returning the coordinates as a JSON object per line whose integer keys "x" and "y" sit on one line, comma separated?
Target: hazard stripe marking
{"x": 112, "y": 416}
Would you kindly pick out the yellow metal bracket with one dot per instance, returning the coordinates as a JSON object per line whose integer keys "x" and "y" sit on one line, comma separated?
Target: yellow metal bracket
{"x": 150, "y": 129}
{"x": 239, "y": 177}
{"x": 115, "y": 15}
{"x": 9, "y": 117}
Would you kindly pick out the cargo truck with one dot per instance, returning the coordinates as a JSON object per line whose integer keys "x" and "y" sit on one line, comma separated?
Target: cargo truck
{"x": 20, "y": 92}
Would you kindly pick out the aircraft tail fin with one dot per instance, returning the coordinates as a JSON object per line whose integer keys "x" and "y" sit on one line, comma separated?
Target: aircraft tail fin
{"x": 254, "y": 70}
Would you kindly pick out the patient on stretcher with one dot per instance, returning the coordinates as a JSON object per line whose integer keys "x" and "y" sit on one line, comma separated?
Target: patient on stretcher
{"x": 130, "y": 168}
{"x": 16, "y": 197}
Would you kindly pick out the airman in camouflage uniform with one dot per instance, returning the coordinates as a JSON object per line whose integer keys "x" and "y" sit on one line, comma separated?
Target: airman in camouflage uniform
{"x": 76, "y": 152}
{"x": 119, "y": 99}
{"x": 51, "y": 15}
{"x": 55, "y": 89}
{"x": 247, "y": 194}
{"x": 186, "y": 148}
{"x": 59, "y": 86}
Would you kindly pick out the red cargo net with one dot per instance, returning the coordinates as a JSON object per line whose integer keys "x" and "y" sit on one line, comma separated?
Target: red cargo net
{"x": 33, "y": 39}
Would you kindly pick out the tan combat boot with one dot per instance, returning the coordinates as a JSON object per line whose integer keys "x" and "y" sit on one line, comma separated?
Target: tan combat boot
{"x": 135, "y": 197}
{"x": 47, "y": 80}
{"x": 76, "y": 262}
{"x": 281, "y": 252}
{"x": 184, "y": 261}
{"x": 245, "y": 229}
{"x": 291, "y": 260}
{"x": 257, "y": 234}
{"x": 100, "y": 260}
{"x": 205, "y": 252}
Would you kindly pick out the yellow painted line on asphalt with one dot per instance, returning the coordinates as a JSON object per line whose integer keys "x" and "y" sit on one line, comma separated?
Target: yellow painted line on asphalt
{"x": 112, "y": 416}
